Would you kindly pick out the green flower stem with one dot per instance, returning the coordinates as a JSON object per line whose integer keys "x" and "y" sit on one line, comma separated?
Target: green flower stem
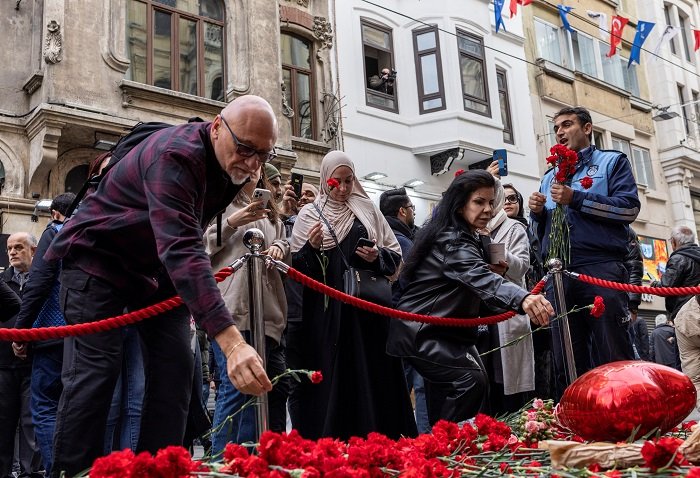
{"x": 522, "y": 337}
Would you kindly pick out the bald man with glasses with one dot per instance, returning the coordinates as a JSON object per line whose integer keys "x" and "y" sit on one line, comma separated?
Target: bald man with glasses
{"x": 136, "y": 241}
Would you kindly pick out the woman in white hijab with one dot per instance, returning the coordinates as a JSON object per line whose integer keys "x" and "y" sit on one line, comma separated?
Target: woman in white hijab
{"x": 363, "y": 389}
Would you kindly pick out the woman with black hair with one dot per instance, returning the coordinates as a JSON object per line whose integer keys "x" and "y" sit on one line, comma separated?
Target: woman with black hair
{"x": 447, "y": 276}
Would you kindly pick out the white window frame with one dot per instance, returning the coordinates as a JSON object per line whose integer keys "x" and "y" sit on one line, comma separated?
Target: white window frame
{"x": 565, "y": 58}
{"x": 642, "y": 167}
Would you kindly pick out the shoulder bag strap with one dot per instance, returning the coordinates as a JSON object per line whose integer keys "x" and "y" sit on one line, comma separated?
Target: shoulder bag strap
{"x": 330, "y": 229}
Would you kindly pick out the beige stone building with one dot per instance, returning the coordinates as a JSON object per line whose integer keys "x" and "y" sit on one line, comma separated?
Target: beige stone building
{"x": 77, "y": 75}
{"x": 572, "y": 69}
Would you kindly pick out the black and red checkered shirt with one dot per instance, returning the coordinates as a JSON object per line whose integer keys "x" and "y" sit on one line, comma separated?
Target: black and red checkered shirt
{"x": 147, "y": 218}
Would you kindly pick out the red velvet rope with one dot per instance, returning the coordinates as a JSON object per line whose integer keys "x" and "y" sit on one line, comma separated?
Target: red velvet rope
{"x": 400, "y": 314}
{"x": 44, "y": 333}
{"x": 663, "y": 291}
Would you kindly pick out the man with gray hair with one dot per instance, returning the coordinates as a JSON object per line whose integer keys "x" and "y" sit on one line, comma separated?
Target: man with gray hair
{"x": 682, "y": 268}
{"x": 15, "y": 372}
{"x": 663, "y": 348}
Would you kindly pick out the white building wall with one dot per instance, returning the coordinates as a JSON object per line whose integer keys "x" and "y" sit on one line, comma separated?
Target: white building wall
{"x": 400, "y": 144}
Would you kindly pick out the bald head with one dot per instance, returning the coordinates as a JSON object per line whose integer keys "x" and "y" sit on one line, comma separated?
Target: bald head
{"x": 247, "y": 123}
{"x": 20, "y": 250}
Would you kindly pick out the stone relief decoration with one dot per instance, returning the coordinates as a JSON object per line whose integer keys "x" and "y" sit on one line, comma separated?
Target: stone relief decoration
{"x": 331, "y": 118}
{"x": 303, "y": 3}
{"x": 53, "y": 47}
{"x": 287, "y": 110}
{"x": 324, "y": 34}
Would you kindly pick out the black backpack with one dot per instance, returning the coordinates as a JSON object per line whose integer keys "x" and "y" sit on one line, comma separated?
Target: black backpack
{"x": 126, "y": 143}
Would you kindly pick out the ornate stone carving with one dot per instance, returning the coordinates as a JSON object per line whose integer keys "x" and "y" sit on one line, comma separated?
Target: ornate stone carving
{"x": 287, "y": 110}
{"x": 324, "y": 34}
{"x": 53, "y": 47}
{"x": 303, "y": 3}
{"x": 331, "y": 118}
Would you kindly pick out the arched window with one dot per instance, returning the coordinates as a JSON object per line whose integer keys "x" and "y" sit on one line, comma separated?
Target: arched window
{"x": 177, "y": 44}
{"x": 298, "y": 78}
{"x": 75, "y": 179}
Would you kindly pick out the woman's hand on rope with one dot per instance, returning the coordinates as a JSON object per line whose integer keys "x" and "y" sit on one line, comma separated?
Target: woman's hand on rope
{"x": 538, "y": 309}
{"x": 252, "y": 212}
{"x": 316, "y": 236}
{"x": 368, "y": 254}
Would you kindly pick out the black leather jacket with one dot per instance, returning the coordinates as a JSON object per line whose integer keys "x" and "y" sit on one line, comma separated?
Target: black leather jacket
{"x": 682, "y": 269}
{"x": 452, "y": 281}
{"x": 635, "y": 268}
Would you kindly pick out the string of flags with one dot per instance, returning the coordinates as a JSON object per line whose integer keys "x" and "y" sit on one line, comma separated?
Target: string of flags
{"x": 613, "y": 35}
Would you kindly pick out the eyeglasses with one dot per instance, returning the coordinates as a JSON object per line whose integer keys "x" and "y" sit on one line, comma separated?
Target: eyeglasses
{"x": 511, "y": 199}
{"x": 411, "y": 206}
{"x": 248, "y": 151}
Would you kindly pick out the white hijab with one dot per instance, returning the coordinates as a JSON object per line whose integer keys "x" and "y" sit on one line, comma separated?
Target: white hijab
{"x": 341, "y": 215}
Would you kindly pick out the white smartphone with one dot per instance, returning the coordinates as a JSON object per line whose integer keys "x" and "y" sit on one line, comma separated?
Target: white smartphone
{"x": 262, "y": 195}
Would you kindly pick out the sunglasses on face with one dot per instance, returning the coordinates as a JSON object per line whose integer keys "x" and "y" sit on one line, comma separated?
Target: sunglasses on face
{"x": 512, "y": 199}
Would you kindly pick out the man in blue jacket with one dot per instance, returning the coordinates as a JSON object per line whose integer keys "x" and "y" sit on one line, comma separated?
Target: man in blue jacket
{"x": 599, "y": 219}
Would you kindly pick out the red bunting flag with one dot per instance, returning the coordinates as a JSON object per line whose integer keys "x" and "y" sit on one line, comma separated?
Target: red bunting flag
{"x": 514, "y": 6}
{"x": 696, "y": 34}
{"x": 618, "y": 24}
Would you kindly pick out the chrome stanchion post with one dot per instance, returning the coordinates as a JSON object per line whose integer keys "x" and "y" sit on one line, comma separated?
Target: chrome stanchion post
{"x": 254, "y": 240}
{"x": 556, "y": 269}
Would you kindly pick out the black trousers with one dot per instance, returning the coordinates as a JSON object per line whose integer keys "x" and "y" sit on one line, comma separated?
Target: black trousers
{"x": 92, "y": 364}
{"x": 14, "y": 412}
{"x": 453, "y": 391}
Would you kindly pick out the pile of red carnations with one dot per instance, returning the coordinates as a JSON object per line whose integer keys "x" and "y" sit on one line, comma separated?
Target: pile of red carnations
{"x": 484, "y": 447}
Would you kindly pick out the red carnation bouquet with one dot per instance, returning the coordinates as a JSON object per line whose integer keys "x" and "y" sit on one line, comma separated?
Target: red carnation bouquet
{"x": 564, "y": 162}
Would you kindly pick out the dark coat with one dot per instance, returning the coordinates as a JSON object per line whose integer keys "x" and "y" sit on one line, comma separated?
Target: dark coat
{"x": 664, "y": 347}
{"x": 635, "y": 268}
{"x": 7, "y": 356}
{"x": 453, "y": 280}
{"x": 682, "y": 269}
{"x": 640, "y": 338}
{"x": 9, "y": 302}
{"x": 405, "y": 236}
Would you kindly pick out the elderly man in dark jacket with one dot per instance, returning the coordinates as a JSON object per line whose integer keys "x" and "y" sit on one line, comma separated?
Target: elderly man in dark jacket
{"x": 664, "y": 347}
{"x": 682, "y": 268}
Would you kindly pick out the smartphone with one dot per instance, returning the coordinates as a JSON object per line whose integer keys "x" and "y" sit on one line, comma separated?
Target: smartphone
{"x": 262, "y": 195}
{"x": 297, "y": 180}
{"x": 364, "y": 242}
{"x": 501, "y": 155}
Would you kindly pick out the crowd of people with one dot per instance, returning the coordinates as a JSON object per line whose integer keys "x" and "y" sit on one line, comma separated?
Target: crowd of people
{"x": 175, "y": 207}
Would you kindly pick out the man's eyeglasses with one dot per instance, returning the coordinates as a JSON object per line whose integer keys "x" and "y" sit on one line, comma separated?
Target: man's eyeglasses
{"x": 248, "y": 151}
{"x": 511, "y": 199}
{"x": 411, "y": 206}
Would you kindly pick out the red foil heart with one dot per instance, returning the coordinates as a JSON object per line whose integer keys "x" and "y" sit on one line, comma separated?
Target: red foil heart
{"x": 610, "y": 402}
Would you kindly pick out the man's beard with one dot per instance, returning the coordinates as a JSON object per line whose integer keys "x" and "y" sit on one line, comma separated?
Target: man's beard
{"x": 239, "y": 180}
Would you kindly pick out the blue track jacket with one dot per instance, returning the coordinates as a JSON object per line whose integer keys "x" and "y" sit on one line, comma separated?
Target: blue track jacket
{"x": 598, "y": 217}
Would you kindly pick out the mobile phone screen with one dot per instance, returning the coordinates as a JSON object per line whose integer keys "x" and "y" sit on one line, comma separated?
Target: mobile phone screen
{"x": 297, "y": 180}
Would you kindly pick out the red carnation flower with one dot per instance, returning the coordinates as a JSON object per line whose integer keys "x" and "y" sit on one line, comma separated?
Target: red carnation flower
{"x": 316, "y": 377}
{"x": 459, "y": 172}
{"x": 587, "y": 182}
{"x": 662, "y": 452}
{"x": 598, "y": 307}
{"x": 332, "y": 183}
{"x": 116, "y": 465}
{"x": 693, "y": 472}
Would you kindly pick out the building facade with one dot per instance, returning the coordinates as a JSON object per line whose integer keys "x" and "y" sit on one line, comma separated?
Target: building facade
{"x": 459, "y": 93}
{"x": 77, "y": 76}
{"x": 572, "y": 68}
